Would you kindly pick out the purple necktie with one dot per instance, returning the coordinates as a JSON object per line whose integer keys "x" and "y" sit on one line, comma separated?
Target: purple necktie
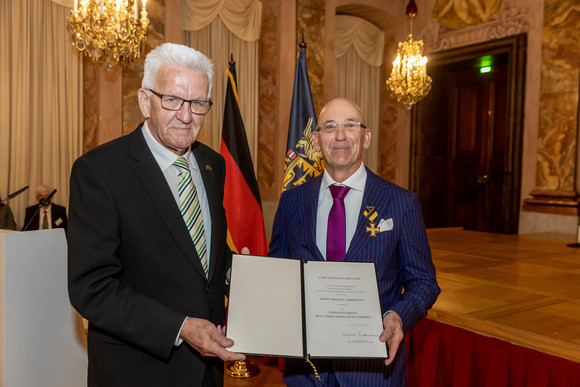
{"x": 336, "y": 232}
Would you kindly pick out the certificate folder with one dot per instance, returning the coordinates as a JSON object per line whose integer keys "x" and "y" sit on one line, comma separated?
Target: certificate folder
{"x": 294, "y": 308}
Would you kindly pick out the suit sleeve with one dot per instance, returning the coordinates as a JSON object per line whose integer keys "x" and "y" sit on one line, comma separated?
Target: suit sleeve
{"x": 279, "y": 242}
{"x": 416, "y": 269}
{"x": 94, "y": 269}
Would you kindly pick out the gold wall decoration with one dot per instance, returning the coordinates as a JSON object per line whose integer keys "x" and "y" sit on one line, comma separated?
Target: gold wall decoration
{"x": 458, "y": 14}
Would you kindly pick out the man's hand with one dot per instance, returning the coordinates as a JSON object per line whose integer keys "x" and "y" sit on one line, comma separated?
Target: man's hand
{"x": 392, "y": 334}
{"x": 208, "y": 339}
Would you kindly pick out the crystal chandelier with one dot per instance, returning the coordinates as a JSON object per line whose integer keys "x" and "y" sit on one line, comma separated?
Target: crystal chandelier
{"x": 109, "y": 31}
{"x": 409, "y": 81}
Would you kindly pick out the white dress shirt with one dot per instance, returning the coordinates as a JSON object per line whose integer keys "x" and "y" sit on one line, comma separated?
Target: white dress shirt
{"x": 352, "y": 205}
{"x": 165, "y": 159}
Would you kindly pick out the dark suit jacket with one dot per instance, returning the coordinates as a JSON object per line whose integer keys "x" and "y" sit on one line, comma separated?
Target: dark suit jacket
{"x": 402, "y": 259}
{"x": 134, "y": 272}
{"x": 58, "y": 217}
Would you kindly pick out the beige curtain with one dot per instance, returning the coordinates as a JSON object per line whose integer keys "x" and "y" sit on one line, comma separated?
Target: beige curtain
{"x": 359, "y": 49}
{"x": 241, "y": 17}
{"x": 41, "y": 100}
{"x": 219, "y": 30}
{"x": 64, "y": 3}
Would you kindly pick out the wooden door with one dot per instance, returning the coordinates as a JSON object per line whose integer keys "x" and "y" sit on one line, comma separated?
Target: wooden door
{"x": 466, "y": 138}
{"x": 476, "y": 150}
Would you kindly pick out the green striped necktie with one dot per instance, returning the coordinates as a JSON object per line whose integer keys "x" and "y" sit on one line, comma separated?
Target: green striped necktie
{"x": 191, "y": 209}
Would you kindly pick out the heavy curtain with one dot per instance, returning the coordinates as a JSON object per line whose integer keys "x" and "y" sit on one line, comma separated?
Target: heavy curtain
{"x": 219, "y": 30}
{"x": 359, "y": 47}
{"x": 440, "y": 355}
{"x": 41, "y": 100}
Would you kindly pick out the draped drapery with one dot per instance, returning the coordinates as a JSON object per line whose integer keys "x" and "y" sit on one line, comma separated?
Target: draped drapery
{"x": 241, "y": 17}
{"x": 41, "y": 100}
{"x": 219, "y": 30}
{"x": 364, "y": 37}
{"x": 441, "y": 355}
{"x": 64, "y": 3}
{"x": 359, "y": 47}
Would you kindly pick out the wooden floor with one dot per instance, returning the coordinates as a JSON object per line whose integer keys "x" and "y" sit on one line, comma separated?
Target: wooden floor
{"x": 524, "y": 289}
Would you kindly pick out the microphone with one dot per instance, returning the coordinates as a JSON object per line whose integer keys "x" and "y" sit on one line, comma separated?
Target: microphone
{"x": 46, "y": 200}
{"x": 14, "y": 194}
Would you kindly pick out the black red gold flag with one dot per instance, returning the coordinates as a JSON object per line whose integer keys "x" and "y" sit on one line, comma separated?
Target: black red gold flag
{"x": 241, "y": 198}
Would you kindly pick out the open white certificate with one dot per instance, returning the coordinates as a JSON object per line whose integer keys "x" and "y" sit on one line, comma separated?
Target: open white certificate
{"x": 293, "y": 308}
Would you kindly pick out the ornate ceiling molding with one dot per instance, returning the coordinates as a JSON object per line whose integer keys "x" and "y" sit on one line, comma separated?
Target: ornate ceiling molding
{"x": 510, "y": 21}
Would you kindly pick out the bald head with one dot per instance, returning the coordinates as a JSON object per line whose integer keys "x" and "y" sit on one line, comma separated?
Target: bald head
{"x": 340, "y": 105}
{"x": 341, "y": 137}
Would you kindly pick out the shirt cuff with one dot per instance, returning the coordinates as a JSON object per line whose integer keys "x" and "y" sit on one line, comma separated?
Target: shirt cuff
{"x": 179, "y": 340}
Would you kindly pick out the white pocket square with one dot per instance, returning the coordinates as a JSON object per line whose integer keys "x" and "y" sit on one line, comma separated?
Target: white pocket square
{"x": 386, "y": 225}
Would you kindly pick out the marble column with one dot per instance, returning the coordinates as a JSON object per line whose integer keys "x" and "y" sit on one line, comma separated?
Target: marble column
{"x": 278, "y": 50}
{"x": 310, "y": 22}
{"x": 556, "y": 175}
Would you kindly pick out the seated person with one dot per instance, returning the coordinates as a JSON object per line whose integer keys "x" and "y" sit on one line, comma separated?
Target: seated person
{"x": 39, "y": 217}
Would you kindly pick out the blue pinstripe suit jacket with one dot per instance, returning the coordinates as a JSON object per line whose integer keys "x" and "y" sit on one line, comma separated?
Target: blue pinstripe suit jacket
{"x": 402, "y": 257}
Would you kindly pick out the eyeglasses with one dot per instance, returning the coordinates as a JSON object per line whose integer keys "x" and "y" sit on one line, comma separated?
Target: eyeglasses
{"x": 348, "y": 126}
{"x": 196, "y": 106}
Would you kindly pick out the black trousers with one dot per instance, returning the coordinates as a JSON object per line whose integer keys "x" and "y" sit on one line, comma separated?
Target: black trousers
{"x": 209, "y": 377}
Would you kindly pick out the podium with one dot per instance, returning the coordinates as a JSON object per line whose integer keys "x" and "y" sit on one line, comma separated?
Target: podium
{"x": 42, "y": 341}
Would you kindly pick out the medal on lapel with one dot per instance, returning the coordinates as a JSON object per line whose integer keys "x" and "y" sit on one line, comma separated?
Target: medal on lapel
{"x": 371, "y": 214}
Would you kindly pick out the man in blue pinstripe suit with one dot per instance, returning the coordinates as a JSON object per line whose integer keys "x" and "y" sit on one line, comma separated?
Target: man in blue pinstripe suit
{"x": 384, "y": 225}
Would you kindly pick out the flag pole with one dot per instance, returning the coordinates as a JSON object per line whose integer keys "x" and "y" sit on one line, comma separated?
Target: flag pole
{"x": 302, "y": 161}
{"x": 240, "y": 368}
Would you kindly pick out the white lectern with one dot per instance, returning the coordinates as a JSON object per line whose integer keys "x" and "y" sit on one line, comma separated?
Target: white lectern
{"x": 42, "y": 341}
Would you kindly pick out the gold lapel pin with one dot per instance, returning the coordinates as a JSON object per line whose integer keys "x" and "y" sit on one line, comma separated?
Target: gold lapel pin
{"x": 207, "y": 167}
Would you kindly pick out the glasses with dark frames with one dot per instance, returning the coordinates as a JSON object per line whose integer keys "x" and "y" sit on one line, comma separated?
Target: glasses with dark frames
{"x": 170, "y": 102}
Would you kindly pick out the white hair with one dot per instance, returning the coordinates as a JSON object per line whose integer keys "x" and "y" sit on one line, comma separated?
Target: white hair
{"x": 175, "y": 55}
{"x": 43, "y": 188}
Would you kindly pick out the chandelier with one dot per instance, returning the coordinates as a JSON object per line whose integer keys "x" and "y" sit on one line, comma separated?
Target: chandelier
{"x": 409, "y": 81}
{"x": 109, "y": 31}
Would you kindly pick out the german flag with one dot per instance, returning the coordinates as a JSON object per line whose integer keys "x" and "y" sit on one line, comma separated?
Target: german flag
{"x": 241, "y": 198}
